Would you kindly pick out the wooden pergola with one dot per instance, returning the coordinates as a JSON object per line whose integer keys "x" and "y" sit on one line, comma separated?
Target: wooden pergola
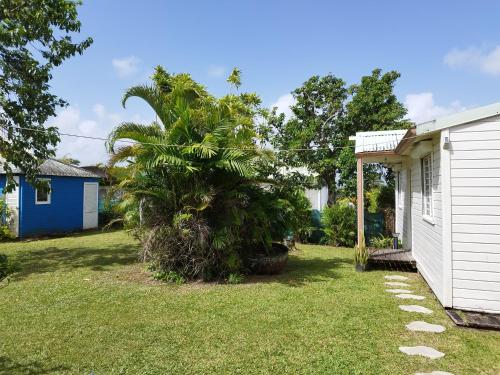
{"x": 375, "y": 147}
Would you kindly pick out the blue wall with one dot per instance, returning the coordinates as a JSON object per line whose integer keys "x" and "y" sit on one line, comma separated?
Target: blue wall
{"x": 63, "y": 214}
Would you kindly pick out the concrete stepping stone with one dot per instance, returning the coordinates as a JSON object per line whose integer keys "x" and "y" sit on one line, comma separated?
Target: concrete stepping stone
{"x": 434, "y": 373}
{"x": 396, "y": 283}
{"x": 415, "y": 308}
{"x": 399, "y": 291}
{"x": 396, "y": 277}
{"x": 423, "y": 351}
{"x": 410, "y": 296}
{"x": 421, "y": 326}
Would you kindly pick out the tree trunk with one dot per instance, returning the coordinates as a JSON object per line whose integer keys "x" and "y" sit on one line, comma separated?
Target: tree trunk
{"x": 332, "y": 190}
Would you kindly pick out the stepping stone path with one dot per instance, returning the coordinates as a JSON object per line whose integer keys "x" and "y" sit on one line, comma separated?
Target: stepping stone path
{"x": 421, "y": 326}
{"x": 423, "y": 351}
{"x": 398, "y": 291}
{"x": 415, "y": 308}
{"x": 396, "y": 277}
{"x": 410, "y": 296}
{"x": 395, "y": 283}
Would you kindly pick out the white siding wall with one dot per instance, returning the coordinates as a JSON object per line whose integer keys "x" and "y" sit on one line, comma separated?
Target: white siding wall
{"x": 475, "y": 192}
{"x": 427, "y": 236}
{"x": 402, "y": 211}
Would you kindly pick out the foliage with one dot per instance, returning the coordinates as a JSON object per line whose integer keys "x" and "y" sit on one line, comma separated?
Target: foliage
{"x": 235, "y": 78}
{"x": 325, "y": 113}
{"x": 235, "y": 278}
{"x": 317, "y": 112}
{"x": 66, "y": 159}
{"x": 35, "y": 37}
{"x": 169, "y": 277}
{"x": 372, "y": 197}
{"x": 339, "y": 224}
{"x": 383, "y": 242}
{"x": 4, "y": 267}
{"x": 5, "y": 232}
{"x": 361, "y": 253}
{"x": 109, "y": 215}
{"x": 195, "y": 194}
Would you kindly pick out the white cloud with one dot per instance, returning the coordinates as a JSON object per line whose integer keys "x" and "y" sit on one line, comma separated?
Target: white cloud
{"x": 421, "y": 107}
{"x": 127, "y": 66}
{"x": 88, "y": 151}
{"x": 216, "y": 71}
{"x": 475, "y": 58}
{"x": 283, "y": 104}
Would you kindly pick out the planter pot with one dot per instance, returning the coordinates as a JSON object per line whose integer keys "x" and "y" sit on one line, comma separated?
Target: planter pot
{"x": 270, "y": 264}
{"x": 360, "y": 267}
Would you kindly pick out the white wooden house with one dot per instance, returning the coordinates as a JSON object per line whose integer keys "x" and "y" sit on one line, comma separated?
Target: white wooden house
{"x": 447, "y": 201}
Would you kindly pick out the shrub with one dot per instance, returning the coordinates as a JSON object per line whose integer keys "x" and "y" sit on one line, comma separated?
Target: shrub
{"x": 383, "y": 242}
{"x": 361, "y": 253}
{"x": 235, "y": 278}
{"x": 169, "y": 277}
{"x": 339, "y": 224}
{"x": 5, "y": 233}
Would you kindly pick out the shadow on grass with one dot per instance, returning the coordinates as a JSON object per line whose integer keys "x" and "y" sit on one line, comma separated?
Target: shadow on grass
{"x": 300, "y": 271}
{"x": 61, "y": 258}
{"x": 8, "y": 366}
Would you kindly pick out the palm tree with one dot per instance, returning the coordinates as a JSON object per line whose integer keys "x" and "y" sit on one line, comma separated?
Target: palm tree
{"x": 190, "y": 172}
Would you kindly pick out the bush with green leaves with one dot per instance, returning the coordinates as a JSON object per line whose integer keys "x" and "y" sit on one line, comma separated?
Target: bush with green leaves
{"x": 383, "y": 242}
{"x": 5, "y": 232}
{"x": 235, "y": 278}
{"x": 169, "y": 277}
{"x": 339, "y": 224}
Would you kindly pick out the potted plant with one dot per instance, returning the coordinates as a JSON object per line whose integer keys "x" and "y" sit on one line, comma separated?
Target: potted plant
{"x": 361, "y": 255}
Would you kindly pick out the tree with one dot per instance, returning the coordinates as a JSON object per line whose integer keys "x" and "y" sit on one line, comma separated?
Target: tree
{"x": 193, "y": 195}
{"x": 324, "y": 115}
{"x": 315, "y": 129}
{"x": 373, "y": 107}
{"x": 67, "y": 159}
{"x": 35, "y": 37}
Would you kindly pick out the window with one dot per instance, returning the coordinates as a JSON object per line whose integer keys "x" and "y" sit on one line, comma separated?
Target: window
{"x": 42, "y": 194}
{"x": 427, "y": 187}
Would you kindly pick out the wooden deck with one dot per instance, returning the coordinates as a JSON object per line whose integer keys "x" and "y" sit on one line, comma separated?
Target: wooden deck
{"x": 392, "y": 259}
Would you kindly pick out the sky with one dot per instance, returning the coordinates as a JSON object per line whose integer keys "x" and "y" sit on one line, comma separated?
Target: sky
{"x": 448, "y": 54}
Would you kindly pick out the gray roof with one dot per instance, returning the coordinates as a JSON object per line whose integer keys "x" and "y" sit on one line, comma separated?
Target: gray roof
{"x": 51, "y": 167}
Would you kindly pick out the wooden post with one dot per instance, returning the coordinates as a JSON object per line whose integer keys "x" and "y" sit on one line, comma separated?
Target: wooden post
{"x": 360, "y": 200}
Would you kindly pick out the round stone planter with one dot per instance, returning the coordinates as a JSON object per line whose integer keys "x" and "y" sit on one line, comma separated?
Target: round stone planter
{"x": 271, "y": 264}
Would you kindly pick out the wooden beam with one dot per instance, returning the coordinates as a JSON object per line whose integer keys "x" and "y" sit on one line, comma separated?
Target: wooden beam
{"x": 360, "y": 201}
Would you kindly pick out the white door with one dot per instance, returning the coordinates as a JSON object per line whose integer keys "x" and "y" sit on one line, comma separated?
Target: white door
{"x": 90, "y": 194}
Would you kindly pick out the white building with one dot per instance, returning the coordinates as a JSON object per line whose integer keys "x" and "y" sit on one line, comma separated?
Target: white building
{"x": 447, "y": 201}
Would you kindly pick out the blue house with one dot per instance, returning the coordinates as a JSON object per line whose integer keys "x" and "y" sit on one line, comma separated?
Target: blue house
{"x": 68, "y": 204}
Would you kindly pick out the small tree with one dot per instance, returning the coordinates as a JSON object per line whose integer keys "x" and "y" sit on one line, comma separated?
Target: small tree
{"x": 35, "y": 37}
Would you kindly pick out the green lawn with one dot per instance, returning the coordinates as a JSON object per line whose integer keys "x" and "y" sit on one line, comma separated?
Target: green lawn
{"x": 83, "y": 303}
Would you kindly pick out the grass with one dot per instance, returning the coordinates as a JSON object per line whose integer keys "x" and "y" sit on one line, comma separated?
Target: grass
{"x": 83, "y": 303}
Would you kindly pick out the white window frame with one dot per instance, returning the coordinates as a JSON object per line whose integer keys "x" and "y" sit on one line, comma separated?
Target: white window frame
{"x": 49, "y": 194}
{"x": 427, "y": 188}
